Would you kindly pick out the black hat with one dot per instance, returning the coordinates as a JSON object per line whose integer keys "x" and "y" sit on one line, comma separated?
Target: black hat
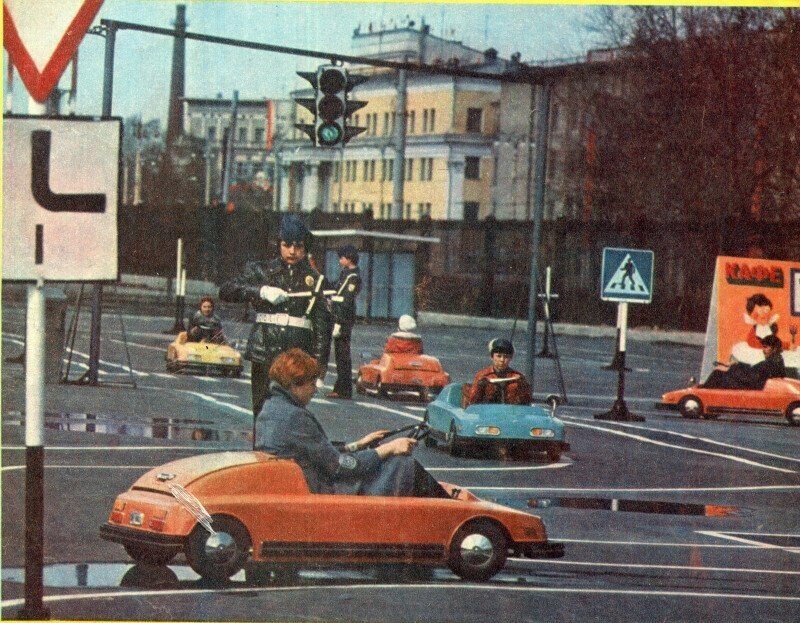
{"x": 350, "y": 252}
{"x": 293, "y": 229}
{"x": 772, "y": 340}
{"x": 501, "y": 345}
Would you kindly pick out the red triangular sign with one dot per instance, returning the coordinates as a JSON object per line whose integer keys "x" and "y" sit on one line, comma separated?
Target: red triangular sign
{"x": 42, "y": 37}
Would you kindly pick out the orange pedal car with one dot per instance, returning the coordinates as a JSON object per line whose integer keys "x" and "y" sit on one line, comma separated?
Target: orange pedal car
{"x": 779, "y": 397}
{"x": 403, "y": 367}
{"x": 221, "y": 509}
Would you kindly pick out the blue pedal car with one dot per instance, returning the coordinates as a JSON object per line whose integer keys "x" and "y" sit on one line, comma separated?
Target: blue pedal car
{"x": 531, "y": 428}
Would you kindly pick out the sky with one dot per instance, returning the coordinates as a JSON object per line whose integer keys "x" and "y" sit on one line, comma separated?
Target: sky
{"x": 142, "y": 61}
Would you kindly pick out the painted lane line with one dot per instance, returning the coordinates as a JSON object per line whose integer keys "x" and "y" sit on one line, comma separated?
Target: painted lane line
{"x": 581, "y": 563}
{"x": 15, "y": 468}
{"x": 568, "y": 418}
{"x": 498, "y": 469}
{"x": 119, "y": 448}
{"x": 372, "y": 405}
{"x": 758, "y": 488}
{"x": 753, "y": 542}
{"x": 728, "y": 457}
{"x": 656, "y": 544}
{"x": 160, "y": 349}
{"x": 219, "y": 403}
{"x": 462, "y": 586}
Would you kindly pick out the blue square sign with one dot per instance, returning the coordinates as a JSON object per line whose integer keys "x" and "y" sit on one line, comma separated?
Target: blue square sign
{"x": 627, "y": 275}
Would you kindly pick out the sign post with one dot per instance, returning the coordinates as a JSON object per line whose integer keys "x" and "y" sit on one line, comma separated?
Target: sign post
{"x": 627, "y": 277}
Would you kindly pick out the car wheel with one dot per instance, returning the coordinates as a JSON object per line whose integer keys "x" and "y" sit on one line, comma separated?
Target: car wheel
{"x": 553, "y": 452}
{"x": 478, "y": 551}
{"x": 793, "y": 414}
{"x": 381, "y": 391}
{"x": 220, "y": 555}
{"x": 691, "y": 407}
{"x": 425, "y": 395}
{"x": 453, "y": 444}
{"x": 149, "y": 555}
{"x": 360, "y": 385}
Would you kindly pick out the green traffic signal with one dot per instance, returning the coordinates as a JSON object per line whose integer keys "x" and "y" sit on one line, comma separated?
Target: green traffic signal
{"x": 329, "y": 134}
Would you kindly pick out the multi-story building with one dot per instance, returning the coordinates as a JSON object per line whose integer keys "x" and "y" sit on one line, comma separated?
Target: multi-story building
{"x": 261, "y": 125}
{"x": 447, "y": 147}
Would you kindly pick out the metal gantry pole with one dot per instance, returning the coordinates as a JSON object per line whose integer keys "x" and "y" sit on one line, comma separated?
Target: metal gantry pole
{"x": 542, "y": 116}
{"x": 97, "y": 293}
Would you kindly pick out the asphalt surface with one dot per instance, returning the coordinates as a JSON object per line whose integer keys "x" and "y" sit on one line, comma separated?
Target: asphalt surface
{"x": 662, "y": 520}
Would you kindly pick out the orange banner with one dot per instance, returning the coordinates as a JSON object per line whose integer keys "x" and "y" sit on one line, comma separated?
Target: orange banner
{"x": 753, "y": 298}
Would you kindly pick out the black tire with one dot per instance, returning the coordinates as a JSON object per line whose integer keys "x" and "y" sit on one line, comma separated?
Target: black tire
{"x": 360, "y": 385}
{"x": 148, "y": 555}
{"x": 553, "y": 452}
{"x": 379, "y": 388}
{"x": 478, "y": 550}
{"x": 218, "y": 556}
{"x": 691, "y": 407}
{"x": 793, "y": 414}
{"x": 425, "y": 395}
{"x": 454, "y": 446}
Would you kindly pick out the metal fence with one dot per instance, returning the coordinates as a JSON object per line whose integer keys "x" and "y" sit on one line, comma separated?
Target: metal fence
{"x": 477, "y": 268}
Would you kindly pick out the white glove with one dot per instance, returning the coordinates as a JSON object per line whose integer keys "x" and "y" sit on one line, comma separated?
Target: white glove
{"x": 273, "y": 295}
{"x": 337, "y": 330}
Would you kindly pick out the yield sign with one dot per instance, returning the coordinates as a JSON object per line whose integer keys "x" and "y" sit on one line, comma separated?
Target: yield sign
{"x": 41, "y": 37}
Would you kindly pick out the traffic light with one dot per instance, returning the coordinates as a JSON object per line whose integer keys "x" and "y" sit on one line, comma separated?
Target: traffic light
{"x": 331, "y": 106}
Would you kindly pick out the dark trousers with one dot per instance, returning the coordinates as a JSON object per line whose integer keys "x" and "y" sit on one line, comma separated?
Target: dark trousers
{"x": 344, "y": 363}
{"x": 259, "y": 385}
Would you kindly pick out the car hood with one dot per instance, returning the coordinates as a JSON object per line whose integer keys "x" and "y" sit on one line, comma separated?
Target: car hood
{"x": 185, "y": 471}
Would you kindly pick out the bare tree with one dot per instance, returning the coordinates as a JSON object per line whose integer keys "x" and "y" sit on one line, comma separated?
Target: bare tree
{"x": 698, "y": 117}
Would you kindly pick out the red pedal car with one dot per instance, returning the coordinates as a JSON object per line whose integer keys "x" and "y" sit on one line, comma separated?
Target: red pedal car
{"x": 779, "y": 397}
{"x": 403, "y": 367}
{"x": 221, "y": 509}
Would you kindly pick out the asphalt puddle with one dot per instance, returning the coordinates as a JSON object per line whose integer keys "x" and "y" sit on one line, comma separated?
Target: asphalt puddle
{"x": 152, "y": 428}
{"x": 622, "y": 506}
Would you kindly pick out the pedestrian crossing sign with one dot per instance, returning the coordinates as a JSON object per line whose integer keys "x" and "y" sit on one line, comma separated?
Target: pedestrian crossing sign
{"x": 627, "y": 275}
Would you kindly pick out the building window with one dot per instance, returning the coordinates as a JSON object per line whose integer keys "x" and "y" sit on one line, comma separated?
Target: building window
{"x": 353, "y": 170}
{"x": 424, "y": 209}
{"x": 212, "y": 133}
{"x": 471, "y": 209}
{"x": 394, "y": 122}
{"x": 374, "y": 130}
{"x": 411, "y": 119}
{"x": 369, "y": 170}
{"x": 425, "y": 169}
{"x": 259, "y": 136}
{"x": 385, "y": 123}
{"x": 337, "y": 173}
{"x": 474, "y": 118}
{"x": 424, "y": 120}
{"x": 409, "y": 169}
{"x": 432, "y": 121}
{"x": 408, "y": 211}
{"x": 428, "y": 120}
{"x": 472, "y": 168}
{"x": 242, "y": 135}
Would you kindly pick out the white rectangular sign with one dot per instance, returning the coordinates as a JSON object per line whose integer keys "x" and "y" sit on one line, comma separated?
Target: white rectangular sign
{"x": 60, "y": 198}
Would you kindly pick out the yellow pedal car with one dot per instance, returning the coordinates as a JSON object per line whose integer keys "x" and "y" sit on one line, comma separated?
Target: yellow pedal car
{"x": 203, "y": 357}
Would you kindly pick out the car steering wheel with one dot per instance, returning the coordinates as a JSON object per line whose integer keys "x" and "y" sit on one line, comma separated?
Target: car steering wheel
{"x": 417, "y": 431}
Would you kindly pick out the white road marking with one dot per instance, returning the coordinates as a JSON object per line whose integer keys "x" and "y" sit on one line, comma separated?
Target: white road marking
{"x": 754, "y": 542}
{"x": 463, "y": 586}
{"x": 759, "y": 488}
{"x": 568, "y": 418}
{"x": 581, "y": 563}
{"x": 377, "y": 407}
{"x": 663, "y": 444}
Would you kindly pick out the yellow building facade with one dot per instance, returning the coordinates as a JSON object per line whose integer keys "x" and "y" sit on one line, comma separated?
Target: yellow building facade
{"x": 449, "y": 160}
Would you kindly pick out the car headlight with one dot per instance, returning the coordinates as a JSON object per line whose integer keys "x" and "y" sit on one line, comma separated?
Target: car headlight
{"x": 194, "y": 357}
{"x": 542, "y": 432}
{"x": 227, "y": 360}
{"x": 487, "y": 430}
